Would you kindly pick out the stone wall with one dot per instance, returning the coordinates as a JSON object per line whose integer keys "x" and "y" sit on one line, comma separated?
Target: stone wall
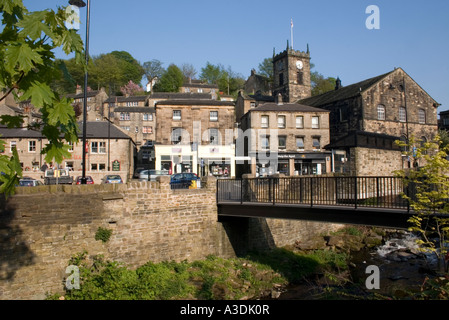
{"x": 374, "y": 162}
{"x": 41, "y": 228}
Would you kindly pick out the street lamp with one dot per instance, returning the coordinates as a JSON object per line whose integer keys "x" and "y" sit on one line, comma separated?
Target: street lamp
{"x": 81, "y": 4}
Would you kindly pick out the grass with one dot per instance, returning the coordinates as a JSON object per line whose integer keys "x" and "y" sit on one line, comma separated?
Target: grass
{"x": 213, "y": 278}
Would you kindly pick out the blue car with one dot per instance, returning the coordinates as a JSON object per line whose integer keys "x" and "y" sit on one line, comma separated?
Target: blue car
{"x": 184, "y": 180}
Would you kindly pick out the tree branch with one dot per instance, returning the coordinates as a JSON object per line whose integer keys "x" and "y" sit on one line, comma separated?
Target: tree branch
{"x": 15, "y": 86}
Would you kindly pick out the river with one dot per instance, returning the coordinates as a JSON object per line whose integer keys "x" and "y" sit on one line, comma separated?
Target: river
{"x": 401, "y": 267}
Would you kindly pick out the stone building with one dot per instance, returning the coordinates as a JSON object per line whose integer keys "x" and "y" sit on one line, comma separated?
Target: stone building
{"x": 366, "y": 118}
{"x": 109, "y": 150}
{"x": 291, "y": 75}
{"x": 95, "y": 100}
{"x": 198, "y": 86}
{"x": 443, "y": 122}
{"x": 286, "y": 138}
{"x": 195, "y": 136}
{"x": 257, "y": 83}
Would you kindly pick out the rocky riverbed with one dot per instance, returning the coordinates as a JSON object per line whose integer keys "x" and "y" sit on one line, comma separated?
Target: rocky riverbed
{"x": 402, "y": 268}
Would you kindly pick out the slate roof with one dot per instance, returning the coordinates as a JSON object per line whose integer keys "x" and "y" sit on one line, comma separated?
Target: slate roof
{"x": 288, "y": 107}
{"x": 81, "y": 95}
{"x": 198, "y": 102}
{"x": 135, "y": 109}
{"x": 180, "y": 95}
{"x": 94, "y": 129}
{"x": 125, "y": 99}
{"x": 343, "y": 93}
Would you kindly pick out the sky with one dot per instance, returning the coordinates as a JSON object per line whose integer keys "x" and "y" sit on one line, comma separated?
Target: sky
{"x": 411, "y": 34}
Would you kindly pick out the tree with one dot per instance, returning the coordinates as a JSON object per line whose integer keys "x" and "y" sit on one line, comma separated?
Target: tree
{"x": 170, "y": 81}
{"x": 227, "y": 80}
{"x": 428, "y": 189}
{"x": 266, "y": 68}
{"x": 188, "y": 70}
{"x": 131, "y": 89}
{"x": 27, "y": 44}
{"x": 153, "y": 70}
{"x": 319, "y": 83}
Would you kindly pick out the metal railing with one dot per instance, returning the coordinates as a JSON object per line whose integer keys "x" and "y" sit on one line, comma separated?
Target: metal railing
{"x": 381, "y": 191}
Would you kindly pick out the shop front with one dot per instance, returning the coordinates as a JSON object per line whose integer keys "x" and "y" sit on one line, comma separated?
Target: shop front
{"x": 294, "y": 164}
{"x": 218, "y": 161}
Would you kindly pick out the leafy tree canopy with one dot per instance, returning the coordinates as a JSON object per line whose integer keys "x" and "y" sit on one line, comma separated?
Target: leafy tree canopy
{"x": 27, "y": 44}
{"x": 170, "y": 81}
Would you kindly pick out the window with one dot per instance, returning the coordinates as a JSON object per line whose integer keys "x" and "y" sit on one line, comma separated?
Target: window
{"x": 132, "y": 104}
{"x": 177, "y": 115}
{"x": 200, "y": 90}
{"x": 316, "y": 143}
{"x": 93, "y": 166}
{"x": 422, "y": 116}
{"x": 213, "y": 116}
{"x": 380, "y": 112}
{"x": 213, "y": 136}
{"x": 147, "y": 129}
{"x": 176, "y": 135}
{"x": 264, "y": 122}
{"x": 187, "y": 90}
{"x": 300, "y": 77}
{"x": 281, "y": 121}
{"x": 281, "y": 79}
{"x": 32, "y": 146}
{"x": 343, "y": 114}
{"x": 282, "y": 142}
{"x": 98, "y": 147}
{"x": 252, "y": 105}
{"x": 70, "y": 146}
{"x": 94, "y": 147}
{"x": 265, "y": 142}
{"x": 402, "y": 114}
{"x": 124, "y": 116}
{"x": 12, "y": 145}
{"x": 315, "y": 122}
{"x": 299, "y": 122}
{"x": 300, "y": 143}
{"x": 101, "y": 166}
{"x": 147, "y": 117}
{"x": 125, "y": 128}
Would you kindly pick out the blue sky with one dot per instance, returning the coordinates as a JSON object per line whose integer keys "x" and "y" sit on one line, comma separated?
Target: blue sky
{"x": 413, "y": 35}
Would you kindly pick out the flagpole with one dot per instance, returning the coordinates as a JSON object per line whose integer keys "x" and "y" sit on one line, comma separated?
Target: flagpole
{"x": 291, "y": 31}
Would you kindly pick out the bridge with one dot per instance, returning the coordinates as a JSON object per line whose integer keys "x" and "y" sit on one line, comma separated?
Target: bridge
{"x": 373, "y": 201}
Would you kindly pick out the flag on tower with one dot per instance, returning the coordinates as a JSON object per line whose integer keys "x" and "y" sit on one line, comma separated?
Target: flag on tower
{"x": 291, "y": 22}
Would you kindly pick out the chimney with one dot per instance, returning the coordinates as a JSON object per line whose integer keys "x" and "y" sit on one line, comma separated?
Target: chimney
{"x": 280, "y": 102}
{"x": 78, "y": 89}
{"x": 337, "y": 83}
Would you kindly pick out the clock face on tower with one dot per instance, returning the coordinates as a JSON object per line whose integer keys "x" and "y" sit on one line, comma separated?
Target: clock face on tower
{"x": 299, "y": 64}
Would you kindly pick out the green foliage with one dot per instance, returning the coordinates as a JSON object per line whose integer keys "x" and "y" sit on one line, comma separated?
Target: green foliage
{"x": 227, "y": 80}
{"x": 427, "y": 192}
{"x": 103, "y": 234}
{"x": 27, "y": 44}
{"x": 266, "y": 68}
{"x": 170, "y": 81}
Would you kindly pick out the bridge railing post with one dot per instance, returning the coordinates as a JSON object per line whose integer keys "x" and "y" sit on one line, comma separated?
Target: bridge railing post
{"x": 355, "y": 192}
{"x": 241, "y": 191}
{"x": 311, "y": 192}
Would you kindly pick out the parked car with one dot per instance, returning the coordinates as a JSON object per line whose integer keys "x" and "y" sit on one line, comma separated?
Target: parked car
{"x": 137, "y": 172}
{"x": 151, "y": 175}
{"x": 112, "y": 178}
{"x": 184, "y": 181}
{"x": 57, "y": 176}
{"x": 29, "y": 182}
{"x": 89, "y": 180}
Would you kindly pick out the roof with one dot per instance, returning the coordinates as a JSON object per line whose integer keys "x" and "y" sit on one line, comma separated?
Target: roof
{"x": 94, "y": 129}
{"x": 81, "y": 95}
{"x": 197, "y": 102}
{"x": 342, "y": 93}
{"x": 135, "y": 109}
{"x": 180, "y": 95}
{"x": 126, "y": 99}
{"x": 289, "y": 107}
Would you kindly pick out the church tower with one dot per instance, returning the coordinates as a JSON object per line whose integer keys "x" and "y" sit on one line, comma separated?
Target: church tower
{"x": 291, "y": 74}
